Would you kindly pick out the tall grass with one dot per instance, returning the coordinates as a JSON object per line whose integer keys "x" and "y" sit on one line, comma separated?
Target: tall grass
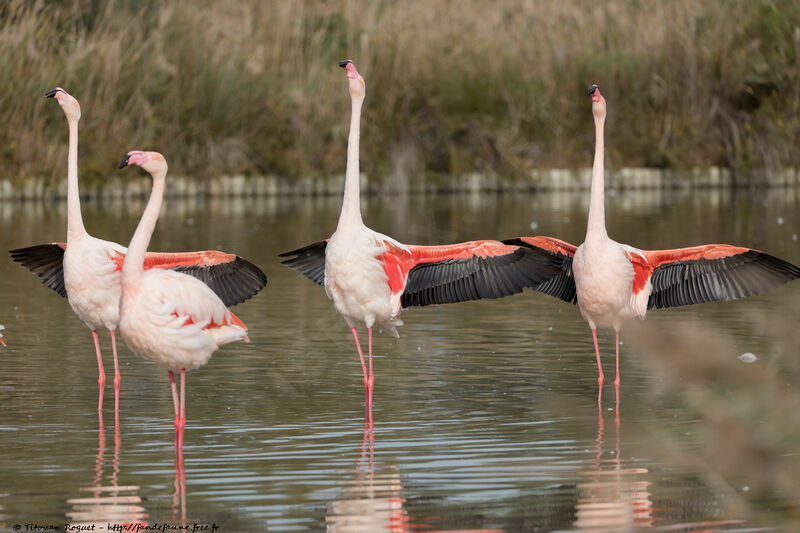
{"x": 250, "y": 86}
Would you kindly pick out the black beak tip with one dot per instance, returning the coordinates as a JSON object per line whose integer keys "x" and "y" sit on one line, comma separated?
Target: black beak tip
{"x": 344, "y": 63}
{"x": 592, "y": 89}
{"x": 124, "y": 162}
{"x": 51, "y": 93}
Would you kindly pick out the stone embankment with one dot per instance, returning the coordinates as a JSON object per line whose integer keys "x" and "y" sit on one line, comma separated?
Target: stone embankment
{"x": 538, "y": 180}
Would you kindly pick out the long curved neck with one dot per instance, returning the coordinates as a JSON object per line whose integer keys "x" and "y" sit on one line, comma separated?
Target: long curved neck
{"x": 134, "y": 259}
{"x": 351, "y": 205}
{"x": 74, "y": 220}
{"x": 597, "y": 216}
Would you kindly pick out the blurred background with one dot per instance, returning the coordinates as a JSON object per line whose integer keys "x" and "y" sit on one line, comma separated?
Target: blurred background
{"x": 253, "y": 87}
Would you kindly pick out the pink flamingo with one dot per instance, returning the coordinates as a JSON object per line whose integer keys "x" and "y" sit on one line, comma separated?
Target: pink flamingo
{"x": 87, "y": 270}
{"x": 370, "y": 276}
{"x": 614, "y": 282}
{"x": 169, "y": 317}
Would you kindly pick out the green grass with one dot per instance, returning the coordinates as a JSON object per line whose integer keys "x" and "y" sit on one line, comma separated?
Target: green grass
{"x": 452, "y": 87}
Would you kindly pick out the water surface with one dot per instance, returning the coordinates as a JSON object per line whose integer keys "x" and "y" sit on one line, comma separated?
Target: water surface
{"x": 485, "y": 412}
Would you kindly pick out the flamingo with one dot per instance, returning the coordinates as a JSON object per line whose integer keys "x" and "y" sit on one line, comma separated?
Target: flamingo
{"x": 370, "y": 276}
{"x": 168, "y": 317}
{"x": 86, "y": 270}
{"x": 613, "y": 282}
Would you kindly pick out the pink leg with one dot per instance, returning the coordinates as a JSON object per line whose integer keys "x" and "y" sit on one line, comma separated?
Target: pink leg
{"x": 363, "y": 365}
{"x": 371, "y": 378}
{"x": 599, "y": 367}
{"x": 175, "y": 405}
{"x": 117, "y": 377}
{"x": 182, "y": 422}
{"x": 101, "y": 380}
{"x": 617, "y": 380}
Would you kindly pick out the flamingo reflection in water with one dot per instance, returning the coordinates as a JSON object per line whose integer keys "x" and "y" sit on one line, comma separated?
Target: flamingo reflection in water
{"x": 370, "y": 501}
{"x": 615, "y": 497}
{"x": 109, "y": 504}
{"x": 179, "y": 496}
{"x": 373, "y": 499}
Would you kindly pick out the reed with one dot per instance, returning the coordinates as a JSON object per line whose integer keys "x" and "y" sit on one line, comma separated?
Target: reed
{"x": 746, "y": 412}
{"x": 253, "y": 87}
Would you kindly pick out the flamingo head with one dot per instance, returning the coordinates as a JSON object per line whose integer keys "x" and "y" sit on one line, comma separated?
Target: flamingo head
{"x": 1, "y": 336}
{"x": 598, "y": 102}
{"x": 152, "y": 162}
{"x": 358, "y": 88}
{"x": 68, "y": 102}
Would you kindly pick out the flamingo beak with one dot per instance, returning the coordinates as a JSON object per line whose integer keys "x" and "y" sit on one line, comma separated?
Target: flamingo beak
{"x": 592, "y": 89}
{"x": 124, "y": 162}
{"x": 344, "y": 63}
{"x": 52, "y": 92}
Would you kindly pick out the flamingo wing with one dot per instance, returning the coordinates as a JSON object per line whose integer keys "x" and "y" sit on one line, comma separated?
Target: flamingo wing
{"x": 562, "y": 285}
{"x": 231, "y": 277}
{"x": 308, "y": 261}
{"x": 707, "y": 273}
{"x": 46, "y": 261}
{"x": 427, "y": 275}
{"x": 468, "y": 271}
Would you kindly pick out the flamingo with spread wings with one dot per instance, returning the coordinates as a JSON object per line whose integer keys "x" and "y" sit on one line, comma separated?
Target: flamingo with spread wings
{"x": 168, "y": 317}
{"x": 613, "y": 282}
{"x": 87, "y": 270}
{"x": 370, "y": 277}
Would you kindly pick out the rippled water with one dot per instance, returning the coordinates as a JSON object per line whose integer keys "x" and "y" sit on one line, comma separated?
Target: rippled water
{"x": 485, "y": 412}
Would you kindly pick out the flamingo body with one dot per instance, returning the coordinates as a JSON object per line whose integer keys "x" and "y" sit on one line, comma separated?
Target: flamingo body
{"x": 175, "y": 320}
{"x": 357, "y": 281}
{"x": 605, "y": 288}
{"x": 91, "y": 280}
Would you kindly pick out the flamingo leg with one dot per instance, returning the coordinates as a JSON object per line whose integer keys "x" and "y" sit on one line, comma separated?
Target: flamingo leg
{"x": 182, "y": 421}
{"x": 617, "y": 380}
{"x": 175, "y": 404}
{"x": 101, "y": 379}
{"x": 371, "y": 378}
{"x": 599, "y": 367}
{"x": 117, "y": 376}
{"x": 363, "y": 365}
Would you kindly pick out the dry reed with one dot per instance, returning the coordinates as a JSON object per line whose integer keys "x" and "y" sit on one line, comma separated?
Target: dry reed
{"x": 253, "y": 87}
